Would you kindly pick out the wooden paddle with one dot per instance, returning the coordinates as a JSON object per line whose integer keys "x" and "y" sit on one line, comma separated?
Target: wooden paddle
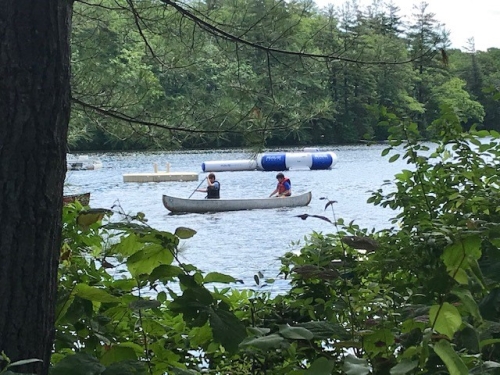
{"x": 202, "y": 181}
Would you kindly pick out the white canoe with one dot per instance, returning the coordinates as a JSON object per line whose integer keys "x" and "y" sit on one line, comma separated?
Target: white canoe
{"x": 175, "y": 204}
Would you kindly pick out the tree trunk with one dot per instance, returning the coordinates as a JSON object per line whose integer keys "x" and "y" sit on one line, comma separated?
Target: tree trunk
{"x": 34, "y": 116}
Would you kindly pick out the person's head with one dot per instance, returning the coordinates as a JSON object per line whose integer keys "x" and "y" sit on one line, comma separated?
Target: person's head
{"x": 211, "y": 176}
{"x": 280, "y": 176}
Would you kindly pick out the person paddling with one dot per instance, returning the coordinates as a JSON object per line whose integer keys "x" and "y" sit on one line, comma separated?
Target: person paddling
{"x": 284, "y": 187}
{"x": 213, "y": 187}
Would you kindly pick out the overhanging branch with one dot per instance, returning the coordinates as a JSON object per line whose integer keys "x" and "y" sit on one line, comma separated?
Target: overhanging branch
{"x": 223, "y": 34}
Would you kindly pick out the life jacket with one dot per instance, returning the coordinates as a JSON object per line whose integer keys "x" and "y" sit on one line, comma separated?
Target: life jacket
{"x": 281, "y": 185}
{"x": 213, "y": 192}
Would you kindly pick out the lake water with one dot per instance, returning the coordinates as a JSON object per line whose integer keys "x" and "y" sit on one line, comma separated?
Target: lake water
{"x": 242, "y": 243}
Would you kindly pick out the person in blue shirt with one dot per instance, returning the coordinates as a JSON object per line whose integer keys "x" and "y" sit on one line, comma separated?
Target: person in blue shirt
{"x": 213, "y": 187}
{"x": 284, "y": 187}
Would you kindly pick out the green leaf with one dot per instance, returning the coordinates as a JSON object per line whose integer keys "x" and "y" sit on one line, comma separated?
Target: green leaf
{"x": 138, "y": 349}
{"x": 117, "y": 354}
{"x": 404, "y": 367}
{"x": 460, "y": 276}
{"x": 484, "y": 343}
{"x": 127, "y": 246}
{"x": 94, "y": 294}
{"x": 63, "y": 307}
{"x": 193, "y": 304}
{"x": 477, "y": 273}
{"x": 393, "y": 158}
{"x": 453, "y": 362}
{"x": 146, "y": 260}
{"x": 153, "y": 328}
{"x": 404, "y": 176}
{"x": 91, "y": 216}
{"x": 446, "y": 320}
{"x": 321, "y": 366}
{"x": 124, "y": 285}
{"x": 469, "y": 339}
{"x": 356, "y": 366}
{"x": 325, "y": 330}
{"x": 256, "y": 331}
{"x": 184, "y": 233}
{"x": 164, "y": 273}
{"x": 469, "y": 303}
{"x": 386, "y": 151}
{"x": 458, "y": 255}
{"x": 378, "y": 341}
{"x": 264, "y": 343}
{"x": 227, "y": 329}
{"x": 295, "y": 333}
{"x": 78, "y": 364}
{"x": 216, "y": 277}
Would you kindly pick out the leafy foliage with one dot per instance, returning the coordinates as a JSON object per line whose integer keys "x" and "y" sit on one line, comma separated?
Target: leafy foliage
{"x": 146, "y": 76}
{"x": 422, "y": 298}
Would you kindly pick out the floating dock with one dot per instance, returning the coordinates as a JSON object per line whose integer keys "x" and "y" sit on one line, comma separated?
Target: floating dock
{"x": 160, "y": 177}
{"x": 156, "y": 176}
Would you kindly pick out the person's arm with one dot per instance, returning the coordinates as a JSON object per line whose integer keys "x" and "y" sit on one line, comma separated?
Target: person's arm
{"x": 288, "y": 187}
{"x": 209, "y": 183}
{"x": 274, "y": 192}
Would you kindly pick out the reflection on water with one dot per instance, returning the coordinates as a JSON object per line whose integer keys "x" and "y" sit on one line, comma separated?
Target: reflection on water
{"x": 242, "y": 243}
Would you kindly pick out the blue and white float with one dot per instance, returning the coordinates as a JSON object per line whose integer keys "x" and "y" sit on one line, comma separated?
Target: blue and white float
{"x": 296, "y": 160}
{"x": 310, "y": 158}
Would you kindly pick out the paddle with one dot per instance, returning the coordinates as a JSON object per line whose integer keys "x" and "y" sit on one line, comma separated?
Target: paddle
{"x": 202, "y": 181}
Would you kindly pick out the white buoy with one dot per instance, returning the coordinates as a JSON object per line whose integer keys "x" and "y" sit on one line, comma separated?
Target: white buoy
{"x": 229, "y": 165}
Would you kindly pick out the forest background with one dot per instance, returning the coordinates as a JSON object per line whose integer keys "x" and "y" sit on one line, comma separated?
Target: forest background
{"x": 179, "y": 86}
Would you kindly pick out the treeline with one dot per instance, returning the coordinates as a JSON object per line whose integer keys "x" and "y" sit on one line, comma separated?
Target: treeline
{"x": 231, "y": 73}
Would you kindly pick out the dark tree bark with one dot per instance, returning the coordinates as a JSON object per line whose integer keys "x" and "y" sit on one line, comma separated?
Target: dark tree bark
{"x": 34, "y": 115}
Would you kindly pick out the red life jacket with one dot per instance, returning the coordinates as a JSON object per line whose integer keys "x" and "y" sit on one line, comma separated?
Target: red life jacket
{"x": 281, "y": 185}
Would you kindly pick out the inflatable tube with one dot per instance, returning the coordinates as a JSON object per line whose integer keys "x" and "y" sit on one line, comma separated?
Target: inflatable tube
{"x": 275, "y": 161}
{"x": 296, "y": 160}
{"x": 271, "y": 162}
{"x": 229, "y": 165}
{"x": 323, "y": 160}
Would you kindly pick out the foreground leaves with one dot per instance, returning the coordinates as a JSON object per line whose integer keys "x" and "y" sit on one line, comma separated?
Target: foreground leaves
{"x": 419, "y": 299}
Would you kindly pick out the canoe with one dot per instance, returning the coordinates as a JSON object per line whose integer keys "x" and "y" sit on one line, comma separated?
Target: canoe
{"x": 175, "y": 204}
{"x": 84, "y": 199}
{"x": 83, "y": 163}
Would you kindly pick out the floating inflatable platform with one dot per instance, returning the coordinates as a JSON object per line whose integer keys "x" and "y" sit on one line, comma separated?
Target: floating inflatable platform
{"x": 310, "y": 158}
{"x": 296, "y": 160}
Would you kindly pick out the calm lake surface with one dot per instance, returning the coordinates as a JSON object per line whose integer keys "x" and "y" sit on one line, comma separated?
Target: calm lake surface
{"x": 243, "y": 243}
